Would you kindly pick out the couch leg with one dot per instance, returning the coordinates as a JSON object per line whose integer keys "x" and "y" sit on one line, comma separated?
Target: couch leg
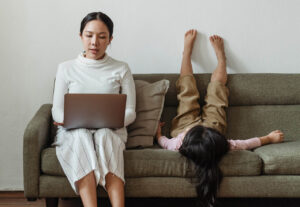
{"x": 31, "y": 199}
{"x": 51, "y": 202}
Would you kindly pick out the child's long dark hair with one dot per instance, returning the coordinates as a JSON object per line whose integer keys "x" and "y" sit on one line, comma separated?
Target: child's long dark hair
{"x": 205, "y": 147}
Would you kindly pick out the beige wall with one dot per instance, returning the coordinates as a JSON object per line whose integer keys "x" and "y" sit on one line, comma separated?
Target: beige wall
{"x": 260, "y": 36}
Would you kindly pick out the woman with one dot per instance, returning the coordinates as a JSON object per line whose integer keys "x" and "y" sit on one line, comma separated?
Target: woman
{"x": 92, "y": 157}
{"x": 200, "y": 138}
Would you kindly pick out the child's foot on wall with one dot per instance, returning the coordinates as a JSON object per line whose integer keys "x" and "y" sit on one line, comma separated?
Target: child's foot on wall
{"x": 189, "y": 39}
{"x": 218, "y": 45}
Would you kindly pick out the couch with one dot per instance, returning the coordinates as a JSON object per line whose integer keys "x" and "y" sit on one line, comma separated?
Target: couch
{"x": 258, "y": 104}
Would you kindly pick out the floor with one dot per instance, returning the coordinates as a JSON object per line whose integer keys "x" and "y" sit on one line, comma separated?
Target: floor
{"x": 16, "y": 199}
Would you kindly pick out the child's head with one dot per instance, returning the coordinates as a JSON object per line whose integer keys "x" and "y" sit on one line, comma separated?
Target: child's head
{"x": 205, "y": 147}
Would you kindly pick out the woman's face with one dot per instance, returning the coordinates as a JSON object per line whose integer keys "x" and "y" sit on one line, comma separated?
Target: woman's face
{"x": 95, "y": 39}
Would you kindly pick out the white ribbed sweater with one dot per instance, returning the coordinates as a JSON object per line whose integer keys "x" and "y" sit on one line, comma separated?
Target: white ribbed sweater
{"x": 84, "y": 75}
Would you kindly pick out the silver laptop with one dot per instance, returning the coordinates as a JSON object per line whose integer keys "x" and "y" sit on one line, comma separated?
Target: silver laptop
{"x": 94, "y": 111}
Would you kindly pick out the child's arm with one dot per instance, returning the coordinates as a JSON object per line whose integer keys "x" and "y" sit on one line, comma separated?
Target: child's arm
{"x": 166, "y": 143}
{"x": 273, "y": 137}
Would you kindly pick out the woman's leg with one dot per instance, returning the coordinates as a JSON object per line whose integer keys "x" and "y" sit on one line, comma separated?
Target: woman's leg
{"x": 214, "y": 114}
{"x": 187, "y": 93}
{"x": 76, "y": 154}
{"x": 115, "y": 190}
{"x": 87, "y": 190}
{"x": 109, "y": 146}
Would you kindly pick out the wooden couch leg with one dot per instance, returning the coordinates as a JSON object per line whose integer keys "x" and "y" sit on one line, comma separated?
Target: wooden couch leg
{"x": 51, "y": 202}
{"x": 31, "y": 199}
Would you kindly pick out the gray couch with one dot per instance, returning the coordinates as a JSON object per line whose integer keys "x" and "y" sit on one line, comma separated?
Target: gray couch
{"x": 258, "y": 104}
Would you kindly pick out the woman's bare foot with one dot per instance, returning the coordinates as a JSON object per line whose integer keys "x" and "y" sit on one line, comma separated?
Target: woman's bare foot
{"x": 218, "y": 45}
{"x": 220, "y": 73}
{"x": 189, "y": 39}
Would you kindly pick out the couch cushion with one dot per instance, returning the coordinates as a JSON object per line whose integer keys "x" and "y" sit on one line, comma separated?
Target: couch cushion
{"x": 150, "y": 99}
{"x": 157, "y": 162}
{"x": 138, "y": 163}
{"x": 281, "y": 159}
{"x": 237, "y": 163}
{"x": 241, "y": 163}
{"x": 245, "y": 89}
{"x": 254, "y": 121}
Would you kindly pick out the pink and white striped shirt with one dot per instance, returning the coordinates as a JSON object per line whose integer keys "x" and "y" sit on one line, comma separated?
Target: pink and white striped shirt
{"x": 175, "y": 143}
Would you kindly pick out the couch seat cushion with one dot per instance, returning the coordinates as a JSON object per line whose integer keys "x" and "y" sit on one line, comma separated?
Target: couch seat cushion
{"x": 281, "y": 159}
{"x": 237, "y": 163}
{"x": 157, "y": 162}
{"x": 241, "y": 163}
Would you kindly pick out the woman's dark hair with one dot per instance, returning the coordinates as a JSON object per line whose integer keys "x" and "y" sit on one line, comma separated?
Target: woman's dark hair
{"x": 205, "y": 147}
{"x": 98, "y": 16}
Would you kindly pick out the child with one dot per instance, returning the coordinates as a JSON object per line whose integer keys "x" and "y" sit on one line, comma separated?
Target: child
{"x": 200, "y": 137}
{"x": 175, "y": 143}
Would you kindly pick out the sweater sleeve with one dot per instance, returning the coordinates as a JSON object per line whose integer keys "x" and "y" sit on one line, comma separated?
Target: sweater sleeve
{"x": 171, "y": 144}
{"x": 60, "y": 89}
{"x": 128, "y": 88}
{"x": 166, "y": 143}
{"x": 244, "y": 144}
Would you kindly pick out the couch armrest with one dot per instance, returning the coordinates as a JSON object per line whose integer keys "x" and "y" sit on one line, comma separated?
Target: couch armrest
{"x": 36, "y": 137}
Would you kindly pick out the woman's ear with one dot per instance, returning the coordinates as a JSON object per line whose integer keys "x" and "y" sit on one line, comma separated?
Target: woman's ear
{"x": 111, "y": 38}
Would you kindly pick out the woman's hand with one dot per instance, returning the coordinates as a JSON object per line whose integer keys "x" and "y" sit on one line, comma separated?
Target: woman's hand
{"x": 58, "y": 124}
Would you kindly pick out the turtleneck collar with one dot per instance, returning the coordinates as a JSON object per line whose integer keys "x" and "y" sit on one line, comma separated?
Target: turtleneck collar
{"x": 90, "y": 63}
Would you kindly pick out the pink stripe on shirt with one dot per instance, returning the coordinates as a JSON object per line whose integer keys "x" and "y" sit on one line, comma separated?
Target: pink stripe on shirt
{"x": 175, "y": 143}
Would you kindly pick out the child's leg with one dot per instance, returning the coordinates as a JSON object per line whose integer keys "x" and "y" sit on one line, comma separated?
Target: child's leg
{"x": 214, "y": 114}
{"x": 187, "y": 93}
{"x": 186, "y": 64}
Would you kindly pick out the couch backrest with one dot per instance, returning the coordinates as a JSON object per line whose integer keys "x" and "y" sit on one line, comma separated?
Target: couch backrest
{"x": 258, "y": 103}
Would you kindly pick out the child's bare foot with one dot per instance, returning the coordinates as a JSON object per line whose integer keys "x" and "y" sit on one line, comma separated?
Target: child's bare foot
{"x": 189, "y": 39}
{"x": 276, "y": 136}
{"x": 218, "y": 45}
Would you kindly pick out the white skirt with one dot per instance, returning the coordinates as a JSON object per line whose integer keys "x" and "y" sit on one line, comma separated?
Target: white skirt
{"x": 81, "y": 151}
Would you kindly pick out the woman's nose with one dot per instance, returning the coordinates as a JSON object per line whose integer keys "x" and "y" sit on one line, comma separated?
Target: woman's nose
{"x": 94, "y": 41}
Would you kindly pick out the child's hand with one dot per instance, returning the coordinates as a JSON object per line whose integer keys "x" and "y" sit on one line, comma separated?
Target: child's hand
{"x": 276, "y": 136}
{"x": 158, "y": 132}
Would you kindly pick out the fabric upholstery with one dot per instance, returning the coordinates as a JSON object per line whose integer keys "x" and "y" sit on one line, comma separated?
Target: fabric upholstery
{"x": 174, "y": 187}
{"x": 244, "y": 89}
{"x": 35, "y": 139}
{"x": 281, "y": 159}
{"x": 252, "y": 121}
{"x": 157, "y": 162}
{"x": 150, "y": 99}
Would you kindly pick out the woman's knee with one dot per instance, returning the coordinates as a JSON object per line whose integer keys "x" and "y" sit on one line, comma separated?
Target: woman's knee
{"x": 112, "y": 179}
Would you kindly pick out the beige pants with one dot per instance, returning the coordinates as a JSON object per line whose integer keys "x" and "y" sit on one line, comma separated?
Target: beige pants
{"x": 188, "y": 111}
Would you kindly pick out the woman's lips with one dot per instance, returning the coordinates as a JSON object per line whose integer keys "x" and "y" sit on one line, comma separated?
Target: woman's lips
{"x": 94, "y": 51}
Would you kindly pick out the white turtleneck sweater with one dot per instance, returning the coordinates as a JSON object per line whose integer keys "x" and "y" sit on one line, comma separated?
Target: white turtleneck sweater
{"x": 84, "y": 75}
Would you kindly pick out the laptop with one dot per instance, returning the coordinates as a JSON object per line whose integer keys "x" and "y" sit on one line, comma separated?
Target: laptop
{"x": 94, "y": 111}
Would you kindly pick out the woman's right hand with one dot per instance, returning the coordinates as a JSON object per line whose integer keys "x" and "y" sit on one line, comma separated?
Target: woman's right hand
{"x": 58, "y": 124}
